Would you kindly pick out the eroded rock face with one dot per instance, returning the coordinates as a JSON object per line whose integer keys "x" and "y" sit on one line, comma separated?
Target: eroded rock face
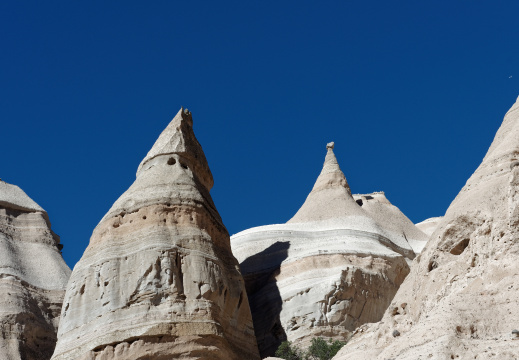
{"x": 334, "y": 266}
{"x": 33, "y": 277}
{"x": 461, "y": 299}
{"x": 158, "y": 279}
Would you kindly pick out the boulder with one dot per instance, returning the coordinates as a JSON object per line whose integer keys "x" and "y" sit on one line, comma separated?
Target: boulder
{"x": 158, "y": 279}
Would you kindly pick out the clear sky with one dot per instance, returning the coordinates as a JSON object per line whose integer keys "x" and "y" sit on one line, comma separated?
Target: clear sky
{"x": 412, "y": 93}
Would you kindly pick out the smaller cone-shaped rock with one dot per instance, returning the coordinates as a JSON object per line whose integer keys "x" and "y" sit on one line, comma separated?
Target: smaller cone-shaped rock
{"x": 331, "y": 268}
{"x": 33, "y": 277}
{"x": 158, "y": 279}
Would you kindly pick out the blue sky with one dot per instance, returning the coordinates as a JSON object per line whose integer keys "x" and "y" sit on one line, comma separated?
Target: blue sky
{"x": 411, "y": 92}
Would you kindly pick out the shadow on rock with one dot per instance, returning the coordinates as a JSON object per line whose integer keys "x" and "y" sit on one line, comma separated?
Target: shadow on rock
{"x": 259, "y": 272}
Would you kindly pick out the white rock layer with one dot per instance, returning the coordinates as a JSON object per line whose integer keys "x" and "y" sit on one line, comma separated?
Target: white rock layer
{"x": 33, "y": 277}
{"x": 158, "y": 280}
{"x": 461, "y": 298}
{"x": 334, "y": 266}
{"x": 428, "y": 226}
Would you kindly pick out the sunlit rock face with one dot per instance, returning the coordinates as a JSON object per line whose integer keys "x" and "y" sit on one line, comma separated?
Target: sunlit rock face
{"x": 158, "y": 279}
{"x": 461, "y": 298}
{"x": 33, "y": 277}
{"x": 334, "y": 266}
{"x": 428, "y": 226}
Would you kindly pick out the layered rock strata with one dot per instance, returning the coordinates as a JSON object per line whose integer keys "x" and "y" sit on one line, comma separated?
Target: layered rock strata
{"x": 334, "y": 266}
{"x": 158, "y": 279}
{"x": 33, "y": 277}
{"x": 461, "y": 299}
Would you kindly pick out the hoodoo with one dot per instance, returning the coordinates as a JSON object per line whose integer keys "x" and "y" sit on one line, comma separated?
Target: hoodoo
{"x": 158, "y": 279}
{"x": 461, "y": 298}
{"x": 33, "y": 277}
{"x": 332, "y": 267}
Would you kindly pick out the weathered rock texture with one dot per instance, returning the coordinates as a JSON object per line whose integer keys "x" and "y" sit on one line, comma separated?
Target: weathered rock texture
{"x": 461, "y": 299}
{"x": 33, "y": 277}
{"x": 428, "y": 226}
{"x": 158, "y": 279}
{"x": 334, "y": 266}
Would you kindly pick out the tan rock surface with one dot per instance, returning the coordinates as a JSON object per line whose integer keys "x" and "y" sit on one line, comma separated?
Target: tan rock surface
{"x": 158, "y": 280}
{"x": 461, "y": 299}
{"x": 331, "y": 268}
{"x": 33, "y": 277}
{"x": 428, "y": 226}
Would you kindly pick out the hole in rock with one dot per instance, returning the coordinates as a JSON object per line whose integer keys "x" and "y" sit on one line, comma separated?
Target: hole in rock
{"x": 359, "y": 202}
{"x": 144, "y": 217}
{"x": 171, "y": 161}
{"x": 460, "y": 247}
{"x": 183, "y": 166}
{"x": 432, "y": 265}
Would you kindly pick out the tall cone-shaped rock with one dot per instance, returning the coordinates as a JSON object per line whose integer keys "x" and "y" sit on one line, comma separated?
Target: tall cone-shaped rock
{"x": 461, "y": 298}
{"x": 158, "y": 280}
{"x": 334, "y": 266}
{"x": 33, "y": 277}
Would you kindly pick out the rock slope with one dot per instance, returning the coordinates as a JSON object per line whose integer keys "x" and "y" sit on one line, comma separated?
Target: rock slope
{"x": 461, "y": 299}
{"x": 428, "y": 226}
{"x": 33, "y": 277}
{"x": 158, "y": 279}
{"x": 334, "y": 266}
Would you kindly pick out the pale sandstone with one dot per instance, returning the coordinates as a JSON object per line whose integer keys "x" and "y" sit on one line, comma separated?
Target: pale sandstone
{"x": 428, "y": 226}
{"x": 334, "y": 266}
{"x": 33, "y": 277}
{"x": 461, "y": 298}
{"x": 158, "y": 279}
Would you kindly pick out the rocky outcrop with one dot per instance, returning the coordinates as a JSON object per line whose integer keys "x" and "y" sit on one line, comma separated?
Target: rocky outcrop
{"x": 395, "y": 224}
{"x": 334, "y": 266}
{"x": 158, "y": 279}
{"x": 461, "y": 299}
{"x": 428, "y": 226}
{"x": 33, "y": 277}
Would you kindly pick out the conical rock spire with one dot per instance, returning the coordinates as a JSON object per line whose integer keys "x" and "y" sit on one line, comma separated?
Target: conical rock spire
{"x": 330, "y": 196}
{"x": 331, "y": 174}
{"x": 158, "y": 279}
{"x": 333, "y": 267}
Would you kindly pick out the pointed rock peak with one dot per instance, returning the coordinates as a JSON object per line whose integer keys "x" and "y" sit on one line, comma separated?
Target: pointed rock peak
{"x": 177, "y": 143}
{"x": 331, "y": 174}
{"x": 330, "y": 196}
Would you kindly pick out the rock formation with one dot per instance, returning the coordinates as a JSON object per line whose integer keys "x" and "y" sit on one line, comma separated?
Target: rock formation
{"x": 33, "y": 277}
{"x": 395, "y": 224}
{"x": 461, "y": 299}
{"x": 158, "y": 279}
{"x": 428, "y": 226}
{"x": 334, "y": 266}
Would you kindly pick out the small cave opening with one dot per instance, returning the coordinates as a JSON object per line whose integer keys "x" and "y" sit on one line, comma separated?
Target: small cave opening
{"x": 432, "y": 265}
{"x": 171, "y": 161}
{"x": 359, "y": 201}
{"x": 460, "y": 247}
